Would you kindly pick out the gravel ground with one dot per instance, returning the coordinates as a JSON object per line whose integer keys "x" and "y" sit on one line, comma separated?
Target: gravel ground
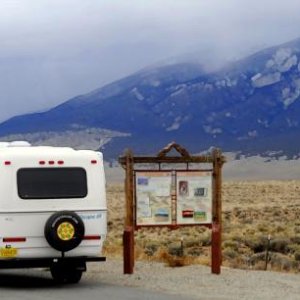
{"x": 197, "y": 281}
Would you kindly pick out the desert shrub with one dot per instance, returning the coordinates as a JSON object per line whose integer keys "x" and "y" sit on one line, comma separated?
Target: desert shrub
{"x": 276, "y": 213}
{"x": 258, "y": 257}
{"x": 263, "y": 227}
{"x": 175, "y": 261}
{"x": 279, "y": 245}
{"x": 227, "y": 215}
{"x": 191, "y": 242}
{"x": 292, "y": 248}
{"x": 281, "y": 262}
{"x": 237, "y": 212}
{"x": 110, "y": 224}
{"x": 231, "y": 244}
{"x": 296, "y": 239}
{"x": 239, "y": 262}
{"x": 242, "y": 215}
{"x": 297, "y": 255}
{"x": 236, "y": 237}
{"x": 201, "y": 229}
{"x": 250, "y": 231}
{"x": 175, "y": 249}
{"x": 229, "y": 253}
{"x": 205, "y": 239}
{"x": 151, "y": 248}
{"x": 248, "y": 221}
{"x": 112, "y": 249}
{"x": 195, "y": 251}
{"x": 256, "y": 244}
{"x": 279, "y": 228}
{"x": 260, "y": 265}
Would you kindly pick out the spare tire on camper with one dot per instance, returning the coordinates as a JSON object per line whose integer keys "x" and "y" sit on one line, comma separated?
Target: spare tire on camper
{"x": 64, "y": 230}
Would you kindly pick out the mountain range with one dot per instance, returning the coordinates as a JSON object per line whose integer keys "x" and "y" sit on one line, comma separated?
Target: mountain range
{"x": 249, "y": 106}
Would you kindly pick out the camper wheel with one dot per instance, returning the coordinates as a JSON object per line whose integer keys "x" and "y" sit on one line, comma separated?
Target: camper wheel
{"x": 65, "y": 275}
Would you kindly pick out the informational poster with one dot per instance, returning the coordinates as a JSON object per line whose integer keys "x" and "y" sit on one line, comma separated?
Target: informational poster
{"x": 153, "y": 198}
{"x": 194, "y": 197}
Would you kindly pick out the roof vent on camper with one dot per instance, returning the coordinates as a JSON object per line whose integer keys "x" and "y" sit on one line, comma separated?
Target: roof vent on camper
{"x": 19, "y": 144}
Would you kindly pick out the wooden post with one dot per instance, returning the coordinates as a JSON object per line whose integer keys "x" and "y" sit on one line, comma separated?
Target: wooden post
{"x": 128, "y": 250}
{"x": 128, "y": 236}
{"x": 129, "y": 189}
{"x": 216, "y": 252}
{"x": 216, "y": 245}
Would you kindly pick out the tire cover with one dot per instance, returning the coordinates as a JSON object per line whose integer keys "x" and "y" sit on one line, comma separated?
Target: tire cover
{"x": 64, "y": 230}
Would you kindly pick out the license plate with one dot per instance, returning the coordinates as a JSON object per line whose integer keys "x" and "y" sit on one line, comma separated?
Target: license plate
{"x": 8, "y": 252}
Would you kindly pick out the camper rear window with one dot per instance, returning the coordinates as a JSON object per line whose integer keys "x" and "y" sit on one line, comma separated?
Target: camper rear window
{"x": 52, "y": 183}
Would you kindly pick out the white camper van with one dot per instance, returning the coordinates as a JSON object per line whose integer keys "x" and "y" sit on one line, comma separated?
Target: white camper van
{"x": 52, "y": 209}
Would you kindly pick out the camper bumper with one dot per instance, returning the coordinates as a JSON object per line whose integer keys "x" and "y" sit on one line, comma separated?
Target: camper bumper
{"x": 78, "y": 262}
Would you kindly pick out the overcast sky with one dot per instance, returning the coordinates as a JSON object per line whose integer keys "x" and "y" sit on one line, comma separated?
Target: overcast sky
{"x": 52, "y": 50}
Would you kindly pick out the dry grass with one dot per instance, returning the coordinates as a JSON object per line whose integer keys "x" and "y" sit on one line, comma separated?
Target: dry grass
{"x": 251, "y": 211}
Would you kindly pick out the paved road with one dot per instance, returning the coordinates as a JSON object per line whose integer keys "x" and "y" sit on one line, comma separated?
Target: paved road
{"x": 37, "y": 284}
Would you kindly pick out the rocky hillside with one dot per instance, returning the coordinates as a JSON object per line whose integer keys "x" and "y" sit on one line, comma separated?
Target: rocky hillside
{"x": 250, "y": 105}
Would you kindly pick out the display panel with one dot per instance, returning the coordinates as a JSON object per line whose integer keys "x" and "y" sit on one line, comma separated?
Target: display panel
{"x": 153, "y": 198}
{"x": 194, "y": 197}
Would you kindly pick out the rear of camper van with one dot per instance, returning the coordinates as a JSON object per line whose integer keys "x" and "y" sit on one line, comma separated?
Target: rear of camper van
{"x": 52, "y": 209}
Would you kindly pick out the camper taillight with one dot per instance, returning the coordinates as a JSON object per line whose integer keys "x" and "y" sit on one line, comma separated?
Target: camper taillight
{"x": 51, "y": 162}
{"x": 92, "y": 237}
{"x": 14, "y": 239}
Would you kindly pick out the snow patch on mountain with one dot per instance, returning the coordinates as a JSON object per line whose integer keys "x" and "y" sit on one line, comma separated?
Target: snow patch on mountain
{"x": 292, "y": 123}
{"x": 154, "y": 83}
{"x": 283, "y": 60}
{"x": 281, "y": 55}
{"x": 226, "y": 82}
{"x": 291, "y": 94}
{"x": 176, "y": 124}
{"x": 291, "y": 98}
{"x": 252, "y": 133}
{"x": 137, "y": 94}
{"x": 264, "y": 123}
{"x": 208, "y": 87}
{"x": 260, "y": 80}
{"x": 288, "y": 64}
{"x": 209, "y": 129}
{"x": 177, "y": 93}
{"x": 285, "y": 92}
{"x": 177, "y": 87}
{"x": 178, "y": 121}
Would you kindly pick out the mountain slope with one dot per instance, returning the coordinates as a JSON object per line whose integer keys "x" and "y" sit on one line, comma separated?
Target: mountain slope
{"x": 250, "y": 106}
